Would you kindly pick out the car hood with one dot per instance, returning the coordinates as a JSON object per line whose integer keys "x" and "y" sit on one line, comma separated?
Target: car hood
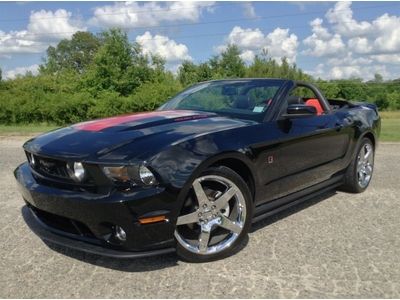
{"x": 136, "y": 133}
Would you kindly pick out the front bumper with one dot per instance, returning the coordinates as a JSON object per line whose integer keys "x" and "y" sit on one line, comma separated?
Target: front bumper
{"x": 84, "y": 220}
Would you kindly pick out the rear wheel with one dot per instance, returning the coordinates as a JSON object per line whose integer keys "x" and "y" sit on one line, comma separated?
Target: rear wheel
{"x": 215, "y": 217}
{"x": 359, "y": 172}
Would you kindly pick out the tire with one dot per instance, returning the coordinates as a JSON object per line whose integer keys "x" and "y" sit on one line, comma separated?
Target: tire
{"x": 215, "y": 217}
{"x": 360, "y": 169}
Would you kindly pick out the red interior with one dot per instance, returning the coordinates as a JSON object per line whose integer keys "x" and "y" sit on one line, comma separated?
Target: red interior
{"x": 316, "y": 104}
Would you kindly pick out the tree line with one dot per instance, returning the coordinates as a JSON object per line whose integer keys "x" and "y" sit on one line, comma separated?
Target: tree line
{"x": 92, "y": 76}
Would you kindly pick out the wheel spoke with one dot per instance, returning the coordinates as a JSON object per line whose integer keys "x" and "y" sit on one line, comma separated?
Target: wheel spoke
{"x": 361, "y": 176}
{"x": 368, "y": 170}
{"x": 211, "y": 191}
{"x": 188, "y": 219}
{"x": 360, "y": 165}
{"x": 362, "y": 153}
{"x": 230, "y": 225}
{"x": 221, "y": 202}
{"x": 200, "y": 194}
{"x": 367, "y": 154}
{"x": 203, "y": 240}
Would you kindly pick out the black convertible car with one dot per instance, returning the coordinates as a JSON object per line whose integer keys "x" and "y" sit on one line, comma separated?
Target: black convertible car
{"x": 192, "y": 176}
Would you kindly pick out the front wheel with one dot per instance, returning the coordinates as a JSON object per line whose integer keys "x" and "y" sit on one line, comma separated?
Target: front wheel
{"x": 215, "y": 217}
{"x": 359, "y": 172}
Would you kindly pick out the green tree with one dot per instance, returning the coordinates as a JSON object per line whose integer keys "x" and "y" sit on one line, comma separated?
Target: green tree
{"x": 393, "y": 100}
{"x": 230, "y": 63}
{"x": 117, "y": 66}
{"x": 204, "y": 72}
{"x": 76, "y": 53}
{"x": 378, "y": 78}
{"x": 353, "y": 89}
{"x": 188, "y": 73}
{"x": 331, "y": 90}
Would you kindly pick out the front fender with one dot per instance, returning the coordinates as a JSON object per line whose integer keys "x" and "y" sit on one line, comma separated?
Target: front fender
{"x": 179, "y": 165}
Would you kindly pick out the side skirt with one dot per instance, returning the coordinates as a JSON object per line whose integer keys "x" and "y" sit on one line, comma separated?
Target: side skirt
{"x": 272, "y": 207}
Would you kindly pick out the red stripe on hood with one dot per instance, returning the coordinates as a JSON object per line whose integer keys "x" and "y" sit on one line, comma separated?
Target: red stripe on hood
{"x": 98, "y": 125}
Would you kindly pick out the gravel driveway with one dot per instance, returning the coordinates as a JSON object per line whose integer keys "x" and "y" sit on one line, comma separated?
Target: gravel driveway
{"x": 339, "y": 245}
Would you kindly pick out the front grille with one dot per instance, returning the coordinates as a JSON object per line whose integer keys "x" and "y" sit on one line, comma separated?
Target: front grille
{"x": 49, "y": 166}
{"x": 54, "y": 172}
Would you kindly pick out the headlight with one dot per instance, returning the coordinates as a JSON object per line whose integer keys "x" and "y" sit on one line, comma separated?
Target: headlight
{"x": 119, "y": 173}
{"x": 146, "y": 176}
{"x": 76, "y": 171}
{"x": 130, "y": 174}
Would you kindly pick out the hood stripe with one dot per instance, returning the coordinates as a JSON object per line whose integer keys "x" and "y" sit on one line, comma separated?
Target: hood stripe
{"x": 98, "y": 125}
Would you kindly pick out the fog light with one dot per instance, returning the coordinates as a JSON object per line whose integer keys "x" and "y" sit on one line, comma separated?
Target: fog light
{"x": 119, "y": 233}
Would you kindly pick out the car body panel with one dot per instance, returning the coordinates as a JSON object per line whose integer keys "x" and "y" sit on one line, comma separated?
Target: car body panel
{"x": 286, "y": 157}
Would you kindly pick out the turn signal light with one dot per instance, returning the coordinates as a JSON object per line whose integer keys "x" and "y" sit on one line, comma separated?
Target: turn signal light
{"x": 150, "y": 220}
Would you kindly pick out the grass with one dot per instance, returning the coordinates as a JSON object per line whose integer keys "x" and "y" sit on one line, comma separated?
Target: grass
{"x": 28, "y": 129}
{"x": 390, "y": 127}
{"x": 390, "y": 114}
{"x": 390, "y": 131}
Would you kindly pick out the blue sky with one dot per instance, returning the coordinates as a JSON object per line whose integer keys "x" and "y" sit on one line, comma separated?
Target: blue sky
{"x": 326, "y": 39}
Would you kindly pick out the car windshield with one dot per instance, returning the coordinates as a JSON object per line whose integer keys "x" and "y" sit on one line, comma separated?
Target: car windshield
{"x": 248, "y": 99}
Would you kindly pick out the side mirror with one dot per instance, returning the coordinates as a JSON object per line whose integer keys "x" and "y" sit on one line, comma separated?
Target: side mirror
{"x": 300, "y": 110}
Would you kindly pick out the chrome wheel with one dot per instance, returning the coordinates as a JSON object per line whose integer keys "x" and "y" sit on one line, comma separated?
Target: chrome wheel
{"x": 365, "y": 165}
{"x": 213, "y": 217}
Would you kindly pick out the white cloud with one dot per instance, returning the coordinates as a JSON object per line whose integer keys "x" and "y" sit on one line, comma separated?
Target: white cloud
{"x": 354, "y": 48}
{"x": 134, "y": 14}
{"x": 359, "y": 45}
{"x": 43, "y": 29}
{"x": 173, "y": 52}
{"x": 359, "y": 71}
{"x": 19, "y": 71}
{"x": 48, "y": 25}
{"x": 382, "y": 35}
{"x": 322, "y": 42}
{"x": 279, "y": 43}
{"x": 349, "y": 71}
{"x": 247, "y": 55}
{"x": 388, "y": 34}
{"x": 248, "y": 10}
{"x": 319, "y": 71}
{"x": 349, "y": 59}
{"x": 17, "y": 42}
{"x": 342, "y": 16}
{"x": 387, "y": 58}
{"x": 246, "y": 38}
{"x": 349, "y": 66}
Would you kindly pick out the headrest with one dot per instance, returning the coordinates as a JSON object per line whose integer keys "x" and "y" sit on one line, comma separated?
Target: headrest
{"x": 242, "y": 102}
{"x": 295, "y": 100}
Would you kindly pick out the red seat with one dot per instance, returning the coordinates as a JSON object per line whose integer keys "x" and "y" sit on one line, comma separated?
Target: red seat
{"x": 316, "y": 104}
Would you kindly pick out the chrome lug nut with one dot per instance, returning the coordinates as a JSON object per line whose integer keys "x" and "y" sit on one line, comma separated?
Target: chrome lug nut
{"x": 204, "y": 205}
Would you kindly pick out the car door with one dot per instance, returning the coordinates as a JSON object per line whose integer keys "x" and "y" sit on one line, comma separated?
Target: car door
{"x": 308, "y": 151}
